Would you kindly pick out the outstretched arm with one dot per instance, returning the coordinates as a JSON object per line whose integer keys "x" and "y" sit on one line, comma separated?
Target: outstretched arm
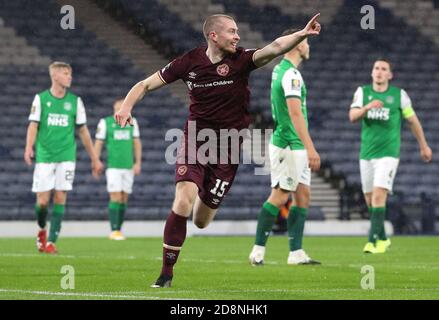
{"x": 140, "y": 89}
{"x": 418, "y": 132}
{"x": 284, "y": 44}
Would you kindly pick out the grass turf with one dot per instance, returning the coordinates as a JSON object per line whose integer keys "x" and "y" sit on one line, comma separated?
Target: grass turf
{"x": 218, "y": 268}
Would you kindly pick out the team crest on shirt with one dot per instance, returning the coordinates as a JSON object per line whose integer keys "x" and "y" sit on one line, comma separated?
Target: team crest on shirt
{"x": 182, "y": 170}
{"x": 390, "y": 100}
{"x": 49, "y": 104}
{"x": 223, "y": 70}
{"x": 67, "y": 106}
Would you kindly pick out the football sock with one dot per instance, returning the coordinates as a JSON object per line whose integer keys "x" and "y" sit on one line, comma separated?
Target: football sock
{"x": 296, "y": 224}
{"x": 173, "y": 239}
{"x": 381, "y": 212}
{"x": 113, "y": 212}
{"x": 41, "y": 213}
{"x": 121, "y": 215}
{"x": 376, "y": 223}
{"x": 55, "y": 222}
{"x": 266, "y": 219}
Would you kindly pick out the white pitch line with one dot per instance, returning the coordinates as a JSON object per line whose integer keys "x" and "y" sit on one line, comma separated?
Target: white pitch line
{"x": 85, "y": 294}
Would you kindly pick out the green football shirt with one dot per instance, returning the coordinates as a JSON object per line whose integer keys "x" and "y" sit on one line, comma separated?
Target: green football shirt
{"x": 381, "y": 128}
{"x": 56, "y": 117}
{"x": 119, "y": 142}
{"x": 286, "y": 82}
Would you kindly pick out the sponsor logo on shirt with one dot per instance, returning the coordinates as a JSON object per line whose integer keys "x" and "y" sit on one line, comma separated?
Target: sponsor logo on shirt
{"x": 296, "y": 84}
{"x": 57, "y": 120}
{"x": 33, "y": 109}
{"x": 121, "y": 135}
{"x": 192, "y": 75}
{"x": 223, "y": 70}
{"x": 215, "y": 201}
{"x": 191, "y": 85}
{"x": 379, "y": 114}
{"x": 49, "y": 104}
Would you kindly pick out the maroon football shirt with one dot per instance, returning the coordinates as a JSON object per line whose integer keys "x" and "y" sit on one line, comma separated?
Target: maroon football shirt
{"x": 219, "y": 93}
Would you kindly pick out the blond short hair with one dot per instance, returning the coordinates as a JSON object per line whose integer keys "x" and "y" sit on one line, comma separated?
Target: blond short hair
{"x": 58, "y": 65}
{"x": 212, "y": 22}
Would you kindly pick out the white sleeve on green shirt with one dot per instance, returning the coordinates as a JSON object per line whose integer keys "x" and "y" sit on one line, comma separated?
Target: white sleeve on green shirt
{"x": 357, "y": 101}
{"x": 292, "y": 83}
{"x": 81, "y": 117}
{"x": 405, "y": 100}
{"x": 35, "y": 111}
{"x": 136, "y": 131}
{"x": 101, "y": 131}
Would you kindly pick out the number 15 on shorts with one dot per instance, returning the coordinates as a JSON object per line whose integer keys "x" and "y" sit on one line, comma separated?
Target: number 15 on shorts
{"x": 220, "y": 188}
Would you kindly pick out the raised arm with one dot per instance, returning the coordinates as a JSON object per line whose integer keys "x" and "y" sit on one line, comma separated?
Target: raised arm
{"x": 284, "y": 44}
{"x": 140, "y": 89}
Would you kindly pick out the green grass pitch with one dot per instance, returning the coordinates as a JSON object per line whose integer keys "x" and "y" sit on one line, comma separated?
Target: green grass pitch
{"x": 218, "y": 268}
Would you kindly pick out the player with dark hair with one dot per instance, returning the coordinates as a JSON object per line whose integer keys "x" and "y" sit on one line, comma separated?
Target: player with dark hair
{"x": 217, "y": 79}
{"x": 124, "y": 161}
{"x": 381, "y": 107}
{"x": 292, "y": 157}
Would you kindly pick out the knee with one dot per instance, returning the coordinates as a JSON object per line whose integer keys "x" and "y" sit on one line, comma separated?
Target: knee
{"x": 43, "y": 203}
{"x": 201, "y": 224}
{"x": 303, "y": 200}
{"x": 278, "y": 198}
{"x": 183, "y": 204}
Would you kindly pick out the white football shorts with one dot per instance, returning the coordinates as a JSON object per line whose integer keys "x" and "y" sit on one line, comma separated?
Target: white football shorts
{"x": 378, "y": 173}
{"x": 54, "y": 175}
{"x": 289, "y": 168}
{"x": 120, "y": 180}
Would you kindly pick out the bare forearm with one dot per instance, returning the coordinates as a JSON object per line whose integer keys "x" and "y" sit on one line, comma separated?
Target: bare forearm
{"x": 302, "y": 131}
{"x": 356, "y": 114}
{"x": 98, "y": 148}
{"x": 284, "y": 44}
{"x": 140, "y": 89}
{"x": 31, "y": 135}
{"x": 418, "y": 132}
{"x": 138, "y": 151}
{"x": 85, "y": 137}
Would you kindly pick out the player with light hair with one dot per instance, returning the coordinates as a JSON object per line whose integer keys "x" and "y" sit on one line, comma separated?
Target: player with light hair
{"x": 123, "y": 147}
{"x": 217, "y": 79}
{"x": 54, "y": 115}
{"x": 381, "y": 107}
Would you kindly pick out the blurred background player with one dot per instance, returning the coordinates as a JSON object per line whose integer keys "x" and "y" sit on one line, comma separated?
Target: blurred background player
{"x": 123, "y": 147}
{"x": 380, "y": 107}
{"x": 217, "y": 78}
{"x": 292, "y": 156}
{"x": 54, "y": 114}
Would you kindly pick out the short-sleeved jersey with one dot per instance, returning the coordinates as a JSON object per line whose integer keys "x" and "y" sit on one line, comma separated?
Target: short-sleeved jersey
{"x": 119, "y": 142}
{"x": 57, "y": 118}
{"x": 286, "y": 82}
{"x": 381, "y": 128}
{"x": 219, "y": 93}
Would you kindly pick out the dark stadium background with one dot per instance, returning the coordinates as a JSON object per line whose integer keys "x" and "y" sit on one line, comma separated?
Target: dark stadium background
{"x": 116, "y": 43}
